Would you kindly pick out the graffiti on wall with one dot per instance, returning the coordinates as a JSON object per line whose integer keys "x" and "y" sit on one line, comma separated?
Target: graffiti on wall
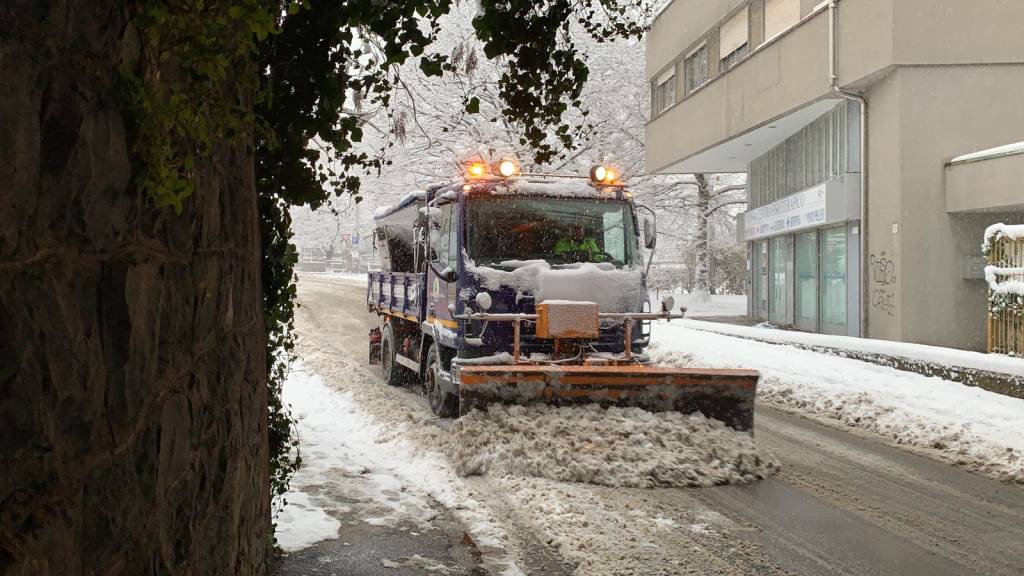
{"x": 883, "y": 283}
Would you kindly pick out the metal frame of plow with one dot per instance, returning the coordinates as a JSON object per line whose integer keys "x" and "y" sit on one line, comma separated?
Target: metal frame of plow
{"x": 626, "y": 317}
{"x": 723, "y": 394}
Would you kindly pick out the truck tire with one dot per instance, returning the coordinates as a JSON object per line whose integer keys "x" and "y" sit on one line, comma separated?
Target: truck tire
{"x": 394, "y": 373}
{"x": 442, "y": 403}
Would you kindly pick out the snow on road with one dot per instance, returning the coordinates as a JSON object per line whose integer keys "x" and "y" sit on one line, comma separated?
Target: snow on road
{"x": 611, "y": 447}
{"x": 390, "y": 432}
{"x": 385, "y": 479}
{"x": 980, "y": 430}
{"x": 732, "y": 530}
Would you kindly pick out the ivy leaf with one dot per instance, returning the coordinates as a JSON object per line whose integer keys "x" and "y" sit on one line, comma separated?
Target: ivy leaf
{"x": 431, "y": 66}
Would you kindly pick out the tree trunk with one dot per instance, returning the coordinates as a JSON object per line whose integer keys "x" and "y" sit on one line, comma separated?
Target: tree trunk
{"x": 133, "y": 435}
{"x": 702, "y": 281}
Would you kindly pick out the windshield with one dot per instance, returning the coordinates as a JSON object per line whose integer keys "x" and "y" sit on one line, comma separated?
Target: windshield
{"x": 557, "y": 230}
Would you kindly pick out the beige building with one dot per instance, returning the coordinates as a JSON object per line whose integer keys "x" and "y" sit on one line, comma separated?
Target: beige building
{"x": 850, "y": 119}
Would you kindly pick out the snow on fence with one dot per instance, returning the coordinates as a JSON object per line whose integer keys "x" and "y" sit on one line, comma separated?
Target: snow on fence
{"x": 1004, "y": 247}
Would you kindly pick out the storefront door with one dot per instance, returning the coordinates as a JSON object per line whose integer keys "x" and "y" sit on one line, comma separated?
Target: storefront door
{"x": 759, "y": 264}
{"x": 833, "y": 280}
{"x": 807, "y": 281}
{"x": 779, "y": 294}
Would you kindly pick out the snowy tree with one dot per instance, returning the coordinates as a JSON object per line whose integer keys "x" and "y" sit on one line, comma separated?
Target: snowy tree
{"x": 427, "y": 133}
{"x": 712, "y": 197}
{"x": 704, "y": 208}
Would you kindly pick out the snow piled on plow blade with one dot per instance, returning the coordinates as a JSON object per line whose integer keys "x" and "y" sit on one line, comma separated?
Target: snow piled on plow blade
{"x": 606, "y": 446}
{"x": 726, "y": 395}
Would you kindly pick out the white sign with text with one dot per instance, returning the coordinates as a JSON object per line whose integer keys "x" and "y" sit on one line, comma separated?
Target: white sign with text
{"x": 801, "y": 210}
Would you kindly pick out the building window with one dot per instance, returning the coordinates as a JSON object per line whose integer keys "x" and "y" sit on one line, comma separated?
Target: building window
{"x": 734, "y": 38}
{"x": 697, "y": 72}
{"x": 665, "y": 91}
{"x": 779, "y": 16}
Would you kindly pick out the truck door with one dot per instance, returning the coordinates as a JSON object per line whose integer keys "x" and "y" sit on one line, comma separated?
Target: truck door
{"x": 442, "y": 296}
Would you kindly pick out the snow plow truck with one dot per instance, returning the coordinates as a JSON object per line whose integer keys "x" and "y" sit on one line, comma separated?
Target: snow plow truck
{"x": 504, "y": 287}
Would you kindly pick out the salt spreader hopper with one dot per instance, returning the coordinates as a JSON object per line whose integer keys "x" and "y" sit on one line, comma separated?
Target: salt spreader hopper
{"x": 511, "y": 288}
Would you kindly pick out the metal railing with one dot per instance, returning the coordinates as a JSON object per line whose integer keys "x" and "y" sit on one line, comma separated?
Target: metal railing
{"x": 1006, "y": 324}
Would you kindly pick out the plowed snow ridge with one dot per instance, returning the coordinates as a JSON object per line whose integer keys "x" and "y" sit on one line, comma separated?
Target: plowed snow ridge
{"x": 611, "y": 447}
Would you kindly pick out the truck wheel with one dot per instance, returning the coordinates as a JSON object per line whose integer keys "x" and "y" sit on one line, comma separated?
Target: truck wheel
{"x": 394, "y": 374}
{"x": 443, "y": 404}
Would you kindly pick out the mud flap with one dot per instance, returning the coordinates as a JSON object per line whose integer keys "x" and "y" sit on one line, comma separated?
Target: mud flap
{"x": 375, "y": 338}
{"x": 722, "y": 394}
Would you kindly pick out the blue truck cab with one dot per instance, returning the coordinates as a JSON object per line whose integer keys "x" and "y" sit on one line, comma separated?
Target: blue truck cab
{"x": 501, "y": 245}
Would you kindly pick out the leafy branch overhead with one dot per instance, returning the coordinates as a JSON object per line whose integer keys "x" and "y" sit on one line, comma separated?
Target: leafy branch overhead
{"x": 328, "y": 67}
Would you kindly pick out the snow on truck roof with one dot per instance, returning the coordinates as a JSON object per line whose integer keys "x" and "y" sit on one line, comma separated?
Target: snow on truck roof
{"x": 562, "y": 187}
{"x": 408, "y": 199}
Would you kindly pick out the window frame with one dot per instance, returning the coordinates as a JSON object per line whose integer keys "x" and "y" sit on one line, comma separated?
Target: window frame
{"x": 733, "y": 57}
{"x": 787, "y": 26}
{"x": 666, "y": 80}
{"x": 689, "y": 86}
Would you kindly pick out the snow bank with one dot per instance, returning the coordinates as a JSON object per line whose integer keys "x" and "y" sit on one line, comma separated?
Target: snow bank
{"x": 949, "y": 357}
{"x": 980, "y": 430}
{"x": 610, "y": 447}
{"x": 613, "y": 289}
{"x": 301, "y": 523}
{"x": 340, "y": 454}
{"x": 366, "y": 459}
{"x": 719, "y": 305}
{"x": 346, "y": 278}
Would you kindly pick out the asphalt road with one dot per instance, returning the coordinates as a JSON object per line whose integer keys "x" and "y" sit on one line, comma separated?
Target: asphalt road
{"x": 843, "y": 503}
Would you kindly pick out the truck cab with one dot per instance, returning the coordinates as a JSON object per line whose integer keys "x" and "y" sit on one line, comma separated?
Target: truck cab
{"x": 517, "y": 288}
{"x": 490, "y": 243}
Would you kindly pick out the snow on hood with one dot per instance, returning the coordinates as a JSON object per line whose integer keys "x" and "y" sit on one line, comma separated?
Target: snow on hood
{"x": 612, "y": 289}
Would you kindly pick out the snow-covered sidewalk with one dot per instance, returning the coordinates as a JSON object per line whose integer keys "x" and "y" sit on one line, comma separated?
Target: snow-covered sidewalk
{"x": 718, "y": 305}
{"x": 384, "y": 479}
{"x": 968, "y": 426}
{"x": 948, "y": 357}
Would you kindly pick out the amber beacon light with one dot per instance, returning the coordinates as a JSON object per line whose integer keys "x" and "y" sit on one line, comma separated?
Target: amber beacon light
{"x": 602, "y": 174}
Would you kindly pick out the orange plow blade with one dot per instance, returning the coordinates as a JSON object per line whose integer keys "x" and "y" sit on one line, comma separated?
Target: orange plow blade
{"x": 722, "y": 394}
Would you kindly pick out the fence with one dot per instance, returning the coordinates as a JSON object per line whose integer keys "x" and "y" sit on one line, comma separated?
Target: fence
{"x": 1005, "y": 276}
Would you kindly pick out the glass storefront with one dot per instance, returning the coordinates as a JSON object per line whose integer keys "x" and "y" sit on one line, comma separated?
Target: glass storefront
{"x": 807, "y": 280}
{"x": 833, "y": 280}
{"x": 802, "y": 279}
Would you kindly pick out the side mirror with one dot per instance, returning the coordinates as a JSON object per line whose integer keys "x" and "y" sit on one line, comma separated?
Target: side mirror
{"x": 449, "y": 275}
{"x": 668, "y": 303}
{"x": 650, "y": 232}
